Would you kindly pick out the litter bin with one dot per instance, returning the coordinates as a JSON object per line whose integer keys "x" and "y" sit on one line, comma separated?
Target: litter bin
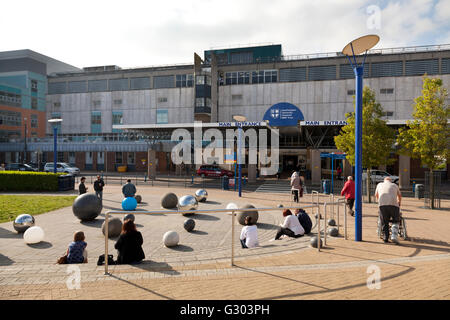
{"x": 225, "y": 183}
{"x": 66, "y": 182}
{"x": 419, "y": 191}
{"x": 326, "y": 186}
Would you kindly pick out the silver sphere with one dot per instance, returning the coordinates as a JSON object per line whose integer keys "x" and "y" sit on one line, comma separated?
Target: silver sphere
{"x": 333, "y": 231}
{"x": 201, "y": 195}
{"x": 187, "y": 202}
{"x": 23, "y": 222}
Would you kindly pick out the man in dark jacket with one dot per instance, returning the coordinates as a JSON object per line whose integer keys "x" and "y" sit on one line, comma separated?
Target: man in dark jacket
{"x": 98, "y": 187}
{"x": 82, "y": 188}
{"x": 129, "y": 190}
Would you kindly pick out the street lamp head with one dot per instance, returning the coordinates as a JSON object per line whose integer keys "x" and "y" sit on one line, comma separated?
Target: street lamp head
{"x": 55, "y": 120}
{"x": 361, "y": 45}
{"x": 239, "y": 117}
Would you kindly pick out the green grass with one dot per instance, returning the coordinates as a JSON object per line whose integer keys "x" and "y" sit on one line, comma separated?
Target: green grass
{"x": 13, "y": 205}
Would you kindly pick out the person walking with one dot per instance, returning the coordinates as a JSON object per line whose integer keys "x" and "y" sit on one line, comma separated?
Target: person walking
{"x": 349, "y": 192}
{"x": 98, "y": 187}
{"x": 389, "y": 200}
{"x": 129, "y": 189}
{"x": 82, "y": 187}
{"x": 296, "y": 186}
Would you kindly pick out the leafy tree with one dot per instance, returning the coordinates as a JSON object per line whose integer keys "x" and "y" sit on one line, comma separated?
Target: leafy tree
{"x": 427, "y": 137}
{"x": 377, "y": 137}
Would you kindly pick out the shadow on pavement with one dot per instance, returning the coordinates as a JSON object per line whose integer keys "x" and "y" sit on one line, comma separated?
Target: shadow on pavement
{"x": 267, "y": 226}
{"x": 97, "y": 223}
{"x": 204, "y": 217}
{"x": 41, "y": 245}
{"x": 5, "y": 261}
{"x": 140, "y": 287}
{"x": 182, "y": 248}
{"x": 202, "y": 233}
{"x": 4, "y": 233}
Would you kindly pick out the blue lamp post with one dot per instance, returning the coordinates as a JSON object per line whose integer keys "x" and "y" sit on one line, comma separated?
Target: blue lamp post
{"x": 55, "y": 141}
{"x": 356, "y": 47}
{"x": 239, "y": 118}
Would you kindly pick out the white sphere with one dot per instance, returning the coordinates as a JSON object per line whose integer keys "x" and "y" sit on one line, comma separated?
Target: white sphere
{"x": 171, "y": 238}
{"x": 33, "y": 235}
{"x": 232, "y": 205}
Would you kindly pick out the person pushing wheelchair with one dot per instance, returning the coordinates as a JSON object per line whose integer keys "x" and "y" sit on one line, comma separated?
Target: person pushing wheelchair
{"x": 389, "y": 200}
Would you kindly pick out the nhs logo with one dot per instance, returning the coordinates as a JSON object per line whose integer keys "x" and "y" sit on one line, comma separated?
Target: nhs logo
{"x": 275, "y": 113}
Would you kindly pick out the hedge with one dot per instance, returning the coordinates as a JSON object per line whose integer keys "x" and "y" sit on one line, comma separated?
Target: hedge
{"x": 28, "y": 181}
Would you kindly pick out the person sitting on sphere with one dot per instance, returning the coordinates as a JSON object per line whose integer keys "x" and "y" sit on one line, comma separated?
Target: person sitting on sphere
{"x": 290, "y": 227}
{"x": 129, "y": 244}
{"x": 77, "y": 253}
{"x": 249, "y": 234}
{"x": 129, "y": 190}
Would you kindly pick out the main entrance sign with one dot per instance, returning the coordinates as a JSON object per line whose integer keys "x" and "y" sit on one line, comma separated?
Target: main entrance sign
{"x": 283, "y": 114}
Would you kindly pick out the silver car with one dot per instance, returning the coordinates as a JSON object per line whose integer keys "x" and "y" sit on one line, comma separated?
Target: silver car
{"x": 378, "y": 176}
{"x": 61, "y": 167}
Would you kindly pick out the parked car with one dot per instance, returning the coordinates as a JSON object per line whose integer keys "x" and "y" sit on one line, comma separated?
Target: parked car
{"x": 213, "y": 171}
{"x": 19, "y": 167}
{"x": 61, "y": 167}
{"x": 378, "y": 176}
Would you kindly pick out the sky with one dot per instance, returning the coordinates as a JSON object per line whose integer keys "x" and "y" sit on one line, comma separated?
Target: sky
{"x": 138, "y": 33}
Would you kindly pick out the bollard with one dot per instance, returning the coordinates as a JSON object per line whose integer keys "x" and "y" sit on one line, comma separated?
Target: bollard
{"x": 232, "y": 238}
{"x": 325, "y": 225}
{"x": 106, "y": 242}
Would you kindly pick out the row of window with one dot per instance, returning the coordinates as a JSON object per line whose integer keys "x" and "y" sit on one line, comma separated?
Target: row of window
{"x": 10, "y": 118}
{"x": 10, "y": 98}
{"x": 243, "y": 77}
{"x": 382, "y": 91}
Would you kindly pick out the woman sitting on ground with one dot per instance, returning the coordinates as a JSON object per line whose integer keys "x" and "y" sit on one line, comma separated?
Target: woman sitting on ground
{"x": 129, "y": 244}
{"x": 77, "y": 253}
{"x": 249, "y": 234}
{"x": 291, "y": 226}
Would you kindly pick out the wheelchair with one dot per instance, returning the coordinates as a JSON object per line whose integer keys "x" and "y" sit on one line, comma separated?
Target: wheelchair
{"x": 402, "y": 233}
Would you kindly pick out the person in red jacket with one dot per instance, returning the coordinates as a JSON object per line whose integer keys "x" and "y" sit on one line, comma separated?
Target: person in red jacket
{"x": 349, "y": 192}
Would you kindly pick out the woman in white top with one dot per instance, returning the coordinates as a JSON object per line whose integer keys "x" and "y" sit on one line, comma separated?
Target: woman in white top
{"x": 249, "y": 234}
{"x": 296, "y": 186}
{"x": 291, "y": 226}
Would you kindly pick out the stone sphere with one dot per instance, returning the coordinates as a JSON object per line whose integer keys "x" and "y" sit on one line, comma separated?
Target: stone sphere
{"x": 129, "y": 204}
{"x": 334, "y": 232}
{"x": 138, "y": 198}
{"x": 33, "y": 234}
{"x": 129, "y": 216}
{"x": 189, "y": 225}
{"x": 87, "y": 207}
{"x": 331, "y": 222}
{"x": 23, "y": 222}
{"x": 280, "y": 206}
{"x": 114, "y": 227}
{"x": 241, "y": 215}
{"x": 171, "y": 239}
{"x": 169, "y": 201}
{"x": 187, "y": 202}
{"x": 201, "y": 195}
{"x": 313, "y": 242}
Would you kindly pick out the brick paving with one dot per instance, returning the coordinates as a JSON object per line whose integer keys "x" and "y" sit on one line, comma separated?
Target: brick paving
{"x": 199, "y": 268}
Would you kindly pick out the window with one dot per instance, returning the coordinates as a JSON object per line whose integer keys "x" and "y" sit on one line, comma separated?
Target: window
{"x": 184, "y": 80}
{"x": 200, "y": 80}
{"x": 131, "y": 158}
{"x": 140, "y": 83}
{"x": 162, "y": 99}
{"x": 77, "y": 86}
{"x": 388, "y": 113}
{"x": 293, "y": 74}
{"x": 118, "y": 84}
{"x": 34, "y": 86}
{"x": 257, "y": 76}
{"x": 117, "y": 117}
{"x": 11, "y": 99}
{"x": 34, "y": 121}
{"x": 119, "y": 158}
{"x": 118, "y": 101}
{"x": 57, "y": 104}
{"x": 270, "y": 76}
{"x": 97, "y": 85}
{"x": 57, "y": 87}
{"x": 96, "y": 118}
{"x": 97, "y": 103}
{"x": 34, "y": 103}
{"x": 236, "y": 97}
{"x": 10, "y": 118}
{"x": 199, "y": 102}
{"x": 231, "y": 78}
{"x": 162, "y": 116}
{"x": 243, "y": 77}
{"x": 387, "y": 91}
{"x": 96, "y": 122}
{"x": 208, "y": 102}
{"x": 163, "y": 82}
{"x": 350, "y": 92}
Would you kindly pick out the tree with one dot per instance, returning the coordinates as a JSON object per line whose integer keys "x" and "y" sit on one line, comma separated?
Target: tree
{"x": 427, "y": 137}
{"x": 377, "y": 138}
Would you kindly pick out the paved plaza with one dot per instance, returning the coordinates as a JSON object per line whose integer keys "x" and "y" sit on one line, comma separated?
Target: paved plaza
{"x": 200, "y": 266}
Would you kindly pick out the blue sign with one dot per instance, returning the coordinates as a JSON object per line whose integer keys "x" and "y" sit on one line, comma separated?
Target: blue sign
{"x": 283, "y": 114}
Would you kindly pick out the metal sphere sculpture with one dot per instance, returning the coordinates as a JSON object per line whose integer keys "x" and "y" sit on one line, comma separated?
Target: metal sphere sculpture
{"x": 331, "y": 222}
{"x": 23, "y": 222}
{"x": 187, "y": 202}
{"x": 313, "y": 242}
{"x": 129, "y": 204}
{"x": 114, "y": 227}
{"x": 201, "y": 195}
{"x": 33, "y": 235}
{"x": 169, "y": 201}
{"x": 189, "y": 225}
{"x": 87, "y": 207}
{"x": 171, "y": 238}
{"x": 129, "y": 216}
{"x": 241, "y": 215}
{"x": 334, "y": 232}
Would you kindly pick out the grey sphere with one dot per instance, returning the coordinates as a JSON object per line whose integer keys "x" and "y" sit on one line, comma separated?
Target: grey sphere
{"x": 189, "y": 225}
{"x": 114, "y": 227}
{"x": 331, "y": 222}
{"x": 313, "y": 242}
{"x": 171, "y": 238}
{"x": 138, "y": 198}
{"x": 187, "y": 202}
{"x": 129, "y": 216}
{"x": 280, "y": 206}
{"x": 334, "y": 232}
{"x": 241, "y": 215}
{"x": 201, "y": 195}
{"x": 23, "y": 222}
{"x": 87, "y": 207}
{"x": 169, "y": 201}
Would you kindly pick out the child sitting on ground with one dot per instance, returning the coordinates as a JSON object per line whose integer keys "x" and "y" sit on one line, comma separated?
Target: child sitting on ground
{"x": 249, "y": 234}
{"x": 77, "y": 253}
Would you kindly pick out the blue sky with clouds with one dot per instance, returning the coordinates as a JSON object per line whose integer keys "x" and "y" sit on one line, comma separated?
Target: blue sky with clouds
{"x": 138, "y": 33}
